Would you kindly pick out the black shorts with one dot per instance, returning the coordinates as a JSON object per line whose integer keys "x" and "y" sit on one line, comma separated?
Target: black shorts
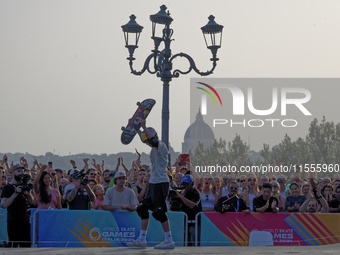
{"x": 155, "y": 197}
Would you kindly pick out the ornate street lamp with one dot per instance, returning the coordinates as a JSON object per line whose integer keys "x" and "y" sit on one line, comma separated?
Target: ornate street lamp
{"x": 162, "y": 60}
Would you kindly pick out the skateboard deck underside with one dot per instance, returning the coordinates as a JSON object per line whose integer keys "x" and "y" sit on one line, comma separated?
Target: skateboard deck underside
{"x": 142, "y": 112}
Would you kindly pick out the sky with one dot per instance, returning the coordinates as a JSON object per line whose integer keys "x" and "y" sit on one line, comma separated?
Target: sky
{"x": 66, "y": 85}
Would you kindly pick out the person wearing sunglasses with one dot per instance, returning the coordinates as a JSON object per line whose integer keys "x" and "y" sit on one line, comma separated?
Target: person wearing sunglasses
{"x": 231, "y": 202}
{"x": 243, "y": 184}
{"x": 252, "y": 191}
{"x": 282, "y": 180}
{"x": 91, "y": 173}
{"x": 276, "y": 193}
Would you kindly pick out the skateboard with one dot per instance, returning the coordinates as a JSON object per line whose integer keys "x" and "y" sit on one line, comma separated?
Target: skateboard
{"x": 132, "y": 127}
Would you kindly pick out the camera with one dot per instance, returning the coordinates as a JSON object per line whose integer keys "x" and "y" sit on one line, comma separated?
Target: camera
{"x": 172, "y": 192}
{"x": 80, "y": 175}
{"x": 175, "y": 202}
{"x": 25, "y": 183}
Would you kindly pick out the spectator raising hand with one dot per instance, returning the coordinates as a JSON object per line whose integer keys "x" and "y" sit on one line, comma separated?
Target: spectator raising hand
{"x": 73, "y": 163}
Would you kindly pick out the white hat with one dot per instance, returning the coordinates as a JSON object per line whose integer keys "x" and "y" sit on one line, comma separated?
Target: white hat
{"x": 119, "y": 174}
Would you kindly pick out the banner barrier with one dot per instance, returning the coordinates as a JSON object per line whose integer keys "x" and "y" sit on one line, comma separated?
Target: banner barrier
{"x": 233, "y": 229}
{"x": 65, "y": 228}
{"x": 3, "y": 225}
{"x": 97, "y": 228}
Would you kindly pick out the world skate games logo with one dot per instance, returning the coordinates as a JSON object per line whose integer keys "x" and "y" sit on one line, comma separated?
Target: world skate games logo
{"x": 95, "y": 234}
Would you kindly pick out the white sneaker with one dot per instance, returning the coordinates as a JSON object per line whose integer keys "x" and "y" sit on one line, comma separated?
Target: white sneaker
{"x": 137, "y": 244}
{"x": 165, "y": 245}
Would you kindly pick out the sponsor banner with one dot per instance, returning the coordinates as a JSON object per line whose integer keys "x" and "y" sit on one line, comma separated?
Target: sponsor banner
{"x": 73, "y": 228}
{"x": 233, "y": 229}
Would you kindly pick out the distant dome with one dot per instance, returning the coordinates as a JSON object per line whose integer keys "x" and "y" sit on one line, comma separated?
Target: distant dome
{"x": 199, "y": 131}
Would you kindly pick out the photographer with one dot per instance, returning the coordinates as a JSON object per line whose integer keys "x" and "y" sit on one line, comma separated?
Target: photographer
{"x": 79, "y": 196}
{"x": 191, "y": 204}
{"x": 15, "y": 197}
{"x": 231, "y": 202}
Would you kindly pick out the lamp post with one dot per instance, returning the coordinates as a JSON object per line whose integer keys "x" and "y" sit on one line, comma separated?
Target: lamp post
{"x": 162, "y": 60}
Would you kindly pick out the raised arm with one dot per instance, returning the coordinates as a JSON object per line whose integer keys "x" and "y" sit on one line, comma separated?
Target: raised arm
{"x": 35, "y": 164}
{"x": 139, "y": 156}
{"x": 5, "y": 163}
{"x": 102, "y": 166}
{"x": 118, "y": 165}
{"x": 73, "y": 163}
{"x": 131, "y": 172}
{"x": 124, "y": 166}
{"x": 41, "y": 169}
{"x": 304, "y": 206}
{"x": 86, "y": 164}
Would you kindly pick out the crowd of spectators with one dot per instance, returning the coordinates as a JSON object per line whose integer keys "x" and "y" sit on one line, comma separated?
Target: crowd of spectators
{"x": 95, "y": 187}
{"x": 87, "y": 187}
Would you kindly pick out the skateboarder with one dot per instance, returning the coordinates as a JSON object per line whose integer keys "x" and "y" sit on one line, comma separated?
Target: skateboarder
{"x": 154, "y": 199}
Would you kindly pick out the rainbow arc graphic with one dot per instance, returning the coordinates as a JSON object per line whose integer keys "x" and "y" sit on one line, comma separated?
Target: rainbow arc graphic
{"x": 204, "y": 103}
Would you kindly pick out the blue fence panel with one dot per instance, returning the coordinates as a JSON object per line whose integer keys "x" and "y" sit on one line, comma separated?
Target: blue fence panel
{"x": 3, "y": 225}
{"x": 73, "y": 228}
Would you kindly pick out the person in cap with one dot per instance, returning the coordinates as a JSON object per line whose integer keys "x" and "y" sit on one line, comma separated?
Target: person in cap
{"x": 120, "y": 197}
{"x": 80, "y": 196}
{"x": 70, "y": 186}
{"x": 155, "y": 197}
{"x": 191, "y": 204}
{"x": 15, "y": 201}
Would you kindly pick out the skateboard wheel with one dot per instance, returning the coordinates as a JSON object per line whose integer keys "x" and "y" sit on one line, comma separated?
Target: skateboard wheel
{"x": 138, "y": 103}
{"x": 123, "y": 128}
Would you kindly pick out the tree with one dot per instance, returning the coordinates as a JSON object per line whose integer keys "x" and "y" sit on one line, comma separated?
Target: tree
{"x": 238, "y": 152}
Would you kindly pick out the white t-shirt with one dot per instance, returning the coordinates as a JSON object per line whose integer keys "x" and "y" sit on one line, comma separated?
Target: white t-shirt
{"x": 116, "y": 198}
{"x": 159, "y": 163}
{"x": 208, "y": 201}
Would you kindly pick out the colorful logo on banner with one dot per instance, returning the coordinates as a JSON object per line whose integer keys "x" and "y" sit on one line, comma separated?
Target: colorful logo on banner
{"x": 311, "y": 229}
{"x": 233, "y": 229}
{"x": 89, "y": 236}
{"x": 96, "y": 228}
